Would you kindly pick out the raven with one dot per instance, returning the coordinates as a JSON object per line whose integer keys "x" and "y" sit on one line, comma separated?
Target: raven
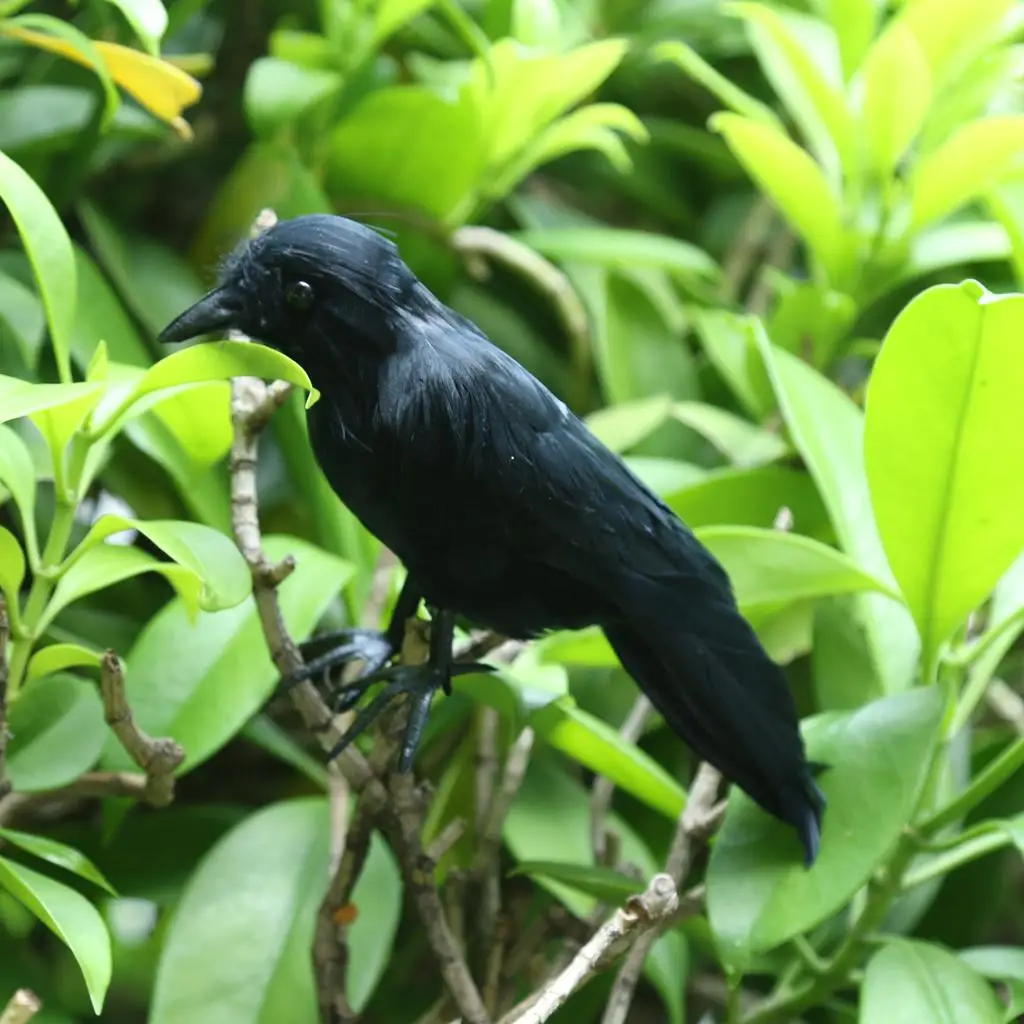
{"x": 502, "y": 505}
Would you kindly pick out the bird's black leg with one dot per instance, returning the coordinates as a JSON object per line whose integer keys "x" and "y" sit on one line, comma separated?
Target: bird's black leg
{"x": 324, "y": 654}
{"x": 420, "y": 682}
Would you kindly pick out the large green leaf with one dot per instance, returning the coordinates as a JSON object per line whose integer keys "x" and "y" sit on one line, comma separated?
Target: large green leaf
{"x": 59, "y": 854}
{"x": 759, "y": 893}
{"x": 769, "y": 567}
{"x": 945, "y": 459}
{"x": 12, "y": 569}
{"x": 21, "y": 397}
{"x": 57, "y": 733}
{"x": 596, "y": 745}
{"x": 743, "y": 443}
{"x": 199, "y": 680}
{"x": 237, "y": 951}
{"x": 908, "y": 982}
{"x": 71, "y": 917}
{"x": 828, "y": 430}
{"x": 794, "y": 183}
{"x": 148, "y": 18}
{"x": 278, "y": 92}
{"x": 49, "y": 248}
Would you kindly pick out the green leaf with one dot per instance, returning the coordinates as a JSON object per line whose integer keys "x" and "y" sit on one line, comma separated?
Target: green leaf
{"x": 795, "y": 184}
{"x": 854, "y": 23}
{"x": 908, "y": 981}
{"x": 12, "y": 569}
{"x": 976, "y": 156}
{"x": 62, "y": 856}
{"x": 596, "y": 745}
{"x": 148, "y": 18}
{"x": 769, "y": 567}
{"x": 602, "y": 883}
{"x": 728, "y": 340}
{"x": 57, "y": 657}
{"x": 220, "y": 574}
{"x": 578, "y": 647}
{"x": 620, "y": 248}
{"x": 687, "y": 58}
{"x": 377, "y": 897}
{"x": 897, "y": 96}
{"x": 23, "y": 318}
{"x": 797, "y": 64}
{"x": 386, "y": 148}
{"x": 750, "y": 497}
{"x": 21, "y": 397}
{"x": 57, "y": 733}
{"x": 828, "y": 430}
{"x": 200, "y": 680}
{"x": 665, "y": 476}
{"x": 391, "y": 15}
{"x": 49, "y": 250}
{"x": 996, "y": 962}
{"x": 71, "y": 917}
{"x": 278, "y": 92}
{"x": 199, "y": 364}
{"x": 809, "y": 321}
{"x": 945, "y": 461}
{"x": 237, "y": 951}
{"x": 759, "y": 893}
{"x": 743, "y": 443}
{"x": 18, "y": 475}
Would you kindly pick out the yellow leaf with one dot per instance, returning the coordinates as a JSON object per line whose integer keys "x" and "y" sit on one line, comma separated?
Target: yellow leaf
{"x": 163, "y": 89}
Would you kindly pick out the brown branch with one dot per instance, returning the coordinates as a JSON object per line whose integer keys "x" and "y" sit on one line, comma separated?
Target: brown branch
{"x": 158, "y": 758}
{"x": 694, "y": 824}
{"x": 603, "y": 790}
{"x": 23, "y": 1006}
{"x": 641, "y": 914}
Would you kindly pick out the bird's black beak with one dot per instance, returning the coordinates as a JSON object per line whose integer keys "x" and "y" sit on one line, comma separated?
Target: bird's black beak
{"x": 215, "y": 311}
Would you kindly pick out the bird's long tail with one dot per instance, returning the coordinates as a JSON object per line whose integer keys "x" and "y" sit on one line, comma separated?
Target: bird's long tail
{"x": 704, "y": 669}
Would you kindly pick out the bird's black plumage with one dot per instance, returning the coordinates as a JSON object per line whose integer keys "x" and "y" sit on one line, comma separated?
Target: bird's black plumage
{"x": 502, "y": 505}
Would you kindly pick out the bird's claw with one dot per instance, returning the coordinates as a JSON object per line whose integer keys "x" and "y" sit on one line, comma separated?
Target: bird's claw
{"x": 324, "y": 654}
{"x": 420, "y": 682}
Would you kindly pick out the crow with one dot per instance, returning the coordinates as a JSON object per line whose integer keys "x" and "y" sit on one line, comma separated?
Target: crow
{"x": 502, "y": 505}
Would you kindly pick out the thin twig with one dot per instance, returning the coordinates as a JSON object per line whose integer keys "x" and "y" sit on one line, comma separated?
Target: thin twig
{"x": 641, "y": 914}
{"x": 23, "y": 1006}
{"x": 743, "y": 255}
{"x": 5, "y": 783}
{"x": 158, "y": 758}
{"x": 604, "y": 789}
{"x": 692, "y": 825}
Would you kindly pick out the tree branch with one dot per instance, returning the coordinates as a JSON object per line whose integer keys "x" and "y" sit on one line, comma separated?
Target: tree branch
{"x": 23, "y": 1006}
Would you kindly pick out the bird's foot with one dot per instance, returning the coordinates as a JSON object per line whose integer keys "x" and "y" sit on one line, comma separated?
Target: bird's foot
{"x": 420, "y": 682}
{"x": 324, "y": 655}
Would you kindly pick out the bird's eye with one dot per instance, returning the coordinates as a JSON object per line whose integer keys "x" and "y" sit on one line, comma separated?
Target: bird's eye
{"x": 299, "y": 295}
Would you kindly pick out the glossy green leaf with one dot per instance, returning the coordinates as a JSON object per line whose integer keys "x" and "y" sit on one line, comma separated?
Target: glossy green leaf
{"x": 596, "y": 745}
{"x": 794, "y": 183}
{"x": 238, "y": 946}
{"x": 148, "y": 18}
{"x": 996, "y": 962}
{"x": 49, "y": 249}
{"x": 71, "y": 917}
{"x": 750, "y": 497}
{"x": 854, "y": 23}
{"x": 278, "y": 92}
{"x": 743, "y": 443}
{"x": 759, "y": 893}
{"x": 59, "y": 854}
{"x": 21, "y": 397}
{"x": 828, "y": 431}
{"x": 391, "y": 15}
{"x": 769, "y": 567}
{"x": 731, "y": 96}
{"x": 22, "y": 318}
{"x": 908, "y": 981}
{"x": 210, "y": 556}
{"x": 945, "y": 461}
{"x": 809, "y": 321}
{"x": 386, "y": 148}
{"x": 800, "y": 75}
{"x": 665, "y": 476}
{"x": 377, "y": 897}
{"x": 57, "y": 733}
{"x": 12, "y": 567}
{"x": 578, "y": 647}
{"x": 728, "y": 340}
{"x": 604, "y": 884}
{"x": 199, "y": 680}
{"x": 976, "y": 156}
{"x": 619, "y": 247}
{"x": 18, "y": 475}
{"x": 57, "y": 657}
{"x": 897, "y": 95}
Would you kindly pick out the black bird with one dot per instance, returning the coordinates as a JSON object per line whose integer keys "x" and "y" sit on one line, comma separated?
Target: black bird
{"x": 502, "y": 505}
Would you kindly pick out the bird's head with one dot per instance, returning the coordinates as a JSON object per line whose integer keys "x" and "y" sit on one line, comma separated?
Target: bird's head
{"x": 307, "y": 287}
